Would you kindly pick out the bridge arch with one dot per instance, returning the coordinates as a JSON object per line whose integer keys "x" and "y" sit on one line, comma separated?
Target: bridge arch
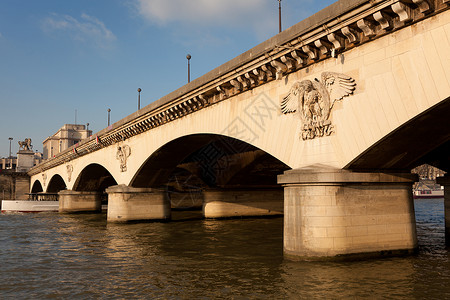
{"x": 37, "y": 187}
{"x": 400, "y": 69}
{"x": 94, "y": 178}
{"x": 425, "y": 139}
{"x": 221, "y": 175}
{"x": 56, "y": 184}
{"x": 214, "y": 160}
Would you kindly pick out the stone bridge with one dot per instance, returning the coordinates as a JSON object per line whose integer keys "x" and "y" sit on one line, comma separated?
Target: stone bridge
{"x": 322, "y": 123}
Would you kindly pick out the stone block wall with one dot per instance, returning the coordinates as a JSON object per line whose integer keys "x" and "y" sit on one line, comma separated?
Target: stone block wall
{"x": 333, "y": 220}
{"x": 14, "y": 186}
{"x": 336, "y": 212}
{"x": 6, "y": 187}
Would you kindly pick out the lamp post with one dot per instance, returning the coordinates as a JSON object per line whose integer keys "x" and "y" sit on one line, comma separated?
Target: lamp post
{"x": 87, "y": 126}
{"x": 139, "y": 98}
{"x": 10, "y": 139}
{"x": 10, "y": 159}
{"x": 109, "y": 110}
{"x": 189, "y": 67}
{"x": 279, "y": 15}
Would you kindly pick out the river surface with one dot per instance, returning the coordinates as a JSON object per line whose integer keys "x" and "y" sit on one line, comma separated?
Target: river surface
{"x": 52, "y": 256}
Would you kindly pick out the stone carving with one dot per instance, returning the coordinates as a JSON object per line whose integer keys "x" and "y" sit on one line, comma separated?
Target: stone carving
{"x": 367, "y": 27}
{"x": 25, "y": 145}
{"x": 403, "y": 11}
{"x": 280, "y": 67}
{"x": 299, "y": 57}
{"x": 69, "y": 172}
{"x": 312, "y": 52}
{"x": 383, "y": 19}
{"x": 423, "y": 5}
{"x": 123, "y": 152}
{"x": 44, "y": 178}
{"x": 314, "y": 101}
{"x": 338, "y": 42}
{"x": 289, "y": 62}
{"x": 324, "y": 46}
{"x": 350, "y": 34}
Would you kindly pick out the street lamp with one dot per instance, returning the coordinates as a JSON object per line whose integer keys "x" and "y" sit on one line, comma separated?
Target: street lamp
{"x": 189, "y": 67}
{"x": 10, "y": 139}
{"x": 109, "y": 110}
{"x": 10, "y": 159}
{"x": 279, "y": 15}
{"x": 139, "y": 98}
{"x": 87, "y": 126}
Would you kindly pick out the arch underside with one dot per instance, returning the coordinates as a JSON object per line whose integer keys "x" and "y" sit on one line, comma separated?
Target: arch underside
{"x": 56, "y": 184}
{"x": 94, "y": 178}
{"x": 424, "y": 139}
{"x": 210, "y": 160}
{"x": 37, "y": 187}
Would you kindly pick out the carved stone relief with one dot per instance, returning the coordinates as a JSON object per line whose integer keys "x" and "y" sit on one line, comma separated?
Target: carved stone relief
{"x": 123, "y": 152}
{"x": 69, "y": 172}
{"x": 314, "y": 101}
{"x": 44, "y": 178}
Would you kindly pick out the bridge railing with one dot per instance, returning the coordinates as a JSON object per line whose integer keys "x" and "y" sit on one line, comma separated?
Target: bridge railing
{"x": 43, "y": 197}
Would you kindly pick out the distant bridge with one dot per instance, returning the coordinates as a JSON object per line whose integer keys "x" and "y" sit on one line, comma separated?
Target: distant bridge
{"x": 321, "y": 123}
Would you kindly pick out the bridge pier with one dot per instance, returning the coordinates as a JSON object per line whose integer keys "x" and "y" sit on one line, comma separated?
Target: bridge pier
{"x": 445, "y": 182}
{"x": 330, "y": 213}
{"x": 242, "y": 203}
{"x": 74, "y": 201}
{"x": 137, "y": 204}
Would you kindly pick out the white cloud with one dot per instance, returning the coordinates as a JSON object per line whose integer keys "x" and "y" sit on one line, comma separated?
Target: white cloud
{"x": 86, "y": 29}
{"x": 254, "y": 14}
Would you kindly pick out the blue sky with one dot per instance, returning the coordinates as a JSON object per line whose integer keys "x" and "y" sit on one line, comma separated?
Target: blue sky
{"x": 58, "y": 57}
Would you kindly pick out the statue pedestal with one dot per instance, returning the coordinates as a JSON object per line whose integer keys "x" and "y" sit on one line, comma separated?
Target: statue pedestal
{"x": 25, "y": 160}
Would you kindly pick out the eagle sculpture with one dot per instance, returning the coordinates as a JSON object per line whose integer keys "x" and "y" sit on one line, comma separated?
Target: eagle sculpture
{"x": 314, "y": 101}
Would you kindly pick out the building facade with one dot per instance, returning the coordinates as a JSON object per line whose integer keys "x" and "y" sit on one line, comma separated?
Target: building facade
{"x": 67, "y": 136}
{"x": 11, "y": 163}
{"x": 7, "y": 163}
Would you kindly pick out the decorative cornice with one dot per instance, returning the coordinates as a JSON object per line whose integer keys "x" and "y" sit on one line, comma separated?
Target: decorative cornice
{"x": 362, "y": 23}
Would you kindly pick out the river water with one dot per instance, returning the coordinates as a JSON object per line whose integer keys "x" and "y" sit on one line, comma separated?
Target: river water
{"x": 52, "y": 256}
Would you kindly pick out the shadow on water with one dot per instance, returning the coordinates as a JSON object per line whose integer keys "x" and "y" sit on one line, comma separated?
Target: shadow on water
{"x": 83, "y": 256}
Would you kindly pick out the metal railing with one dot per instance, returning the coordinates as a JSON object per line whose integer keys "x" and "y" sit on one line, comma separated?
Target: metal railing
{"x": 43, "y": 197}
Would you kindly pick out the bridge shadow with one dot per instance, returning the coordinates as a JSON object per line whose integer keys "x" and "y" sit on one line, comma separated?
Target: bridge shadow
{"x": 192, "y": 167}
{"x": 425, "y": 139}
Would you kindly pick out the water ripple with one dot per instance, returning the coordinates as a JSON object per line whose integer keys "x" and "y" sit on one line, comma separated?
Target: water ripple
{"x": 83, "y": 257}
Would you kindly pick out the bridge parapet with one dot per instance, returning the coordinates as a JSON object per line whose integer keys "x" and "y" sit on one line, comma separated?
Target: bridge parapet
{"x": 336, "y": 29}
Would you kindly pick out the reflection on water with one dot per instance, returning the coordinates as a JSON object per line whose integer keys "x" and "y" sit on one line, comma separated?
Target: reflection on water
{"x": 81, "y": 256}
